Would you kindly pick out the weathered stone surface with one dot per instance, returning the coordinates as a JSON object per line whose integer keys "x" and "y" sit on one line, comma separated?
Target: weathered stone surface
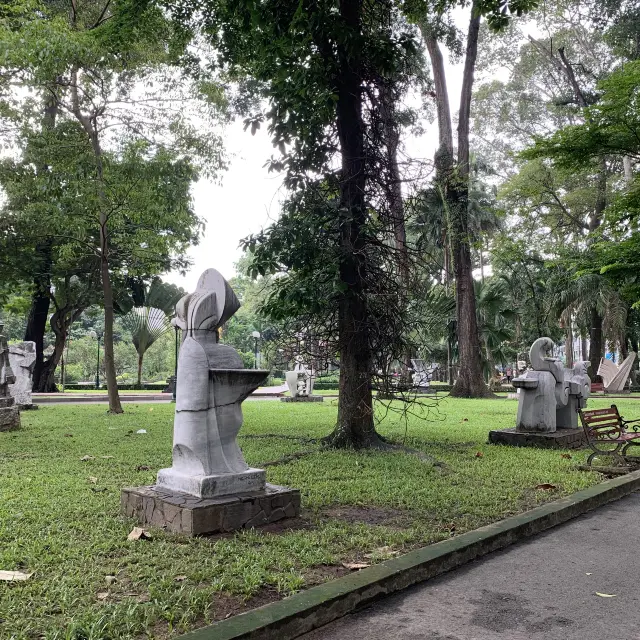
{"x": 9, "y": 414}
{"x": 303, "y": 399}
{"x": 9, "y": 419}
{"x": 561, "y": 439}
{"x": 549, "y": 396}
{"x": 210, "y": 388}
{"x": 22, "y": 358}
{"x": 192, "y": 516}
{"x": 300, "y": 381}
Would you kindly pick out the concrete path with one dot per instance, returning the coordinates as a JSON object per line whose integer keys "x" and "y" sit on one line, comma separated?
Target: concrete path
{"x": 541, "y": 589}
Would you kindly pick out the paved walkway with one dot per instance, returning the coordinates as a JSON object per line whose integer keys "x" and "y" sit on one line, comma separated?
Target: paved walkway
{"x": 541, "y": 589}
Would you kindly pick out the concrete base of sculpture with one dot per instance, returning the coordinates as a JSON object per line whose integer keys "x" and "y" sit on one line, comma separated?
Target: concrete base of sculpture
{"x": 212, "y": 486}
{"x": 185, "y": 514}
{"x": 9, "y": 415}
{"x": 560, "y": 439}
{"x": 303, "y": 399}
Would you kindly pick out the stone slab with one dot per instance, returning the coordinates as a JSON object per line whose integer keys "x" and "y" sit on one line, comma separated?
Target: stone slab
{"x": 303, "y": 399}
{"x": 560, "y": 439}
{"x": 307, "y": 610}
{"x": 192, "y": 516}
{"x": 212, "y": 486}
{"x": 9, "y": 419}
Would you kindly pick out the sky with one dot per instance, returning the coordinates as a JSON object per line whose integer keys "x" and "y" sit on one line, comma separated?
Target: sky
{"x": 248, "y": 197}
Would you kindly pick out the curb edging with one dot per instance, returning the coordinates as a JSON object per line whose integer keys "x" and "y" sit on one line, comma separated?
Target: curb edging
{"x": 302, "y": 612}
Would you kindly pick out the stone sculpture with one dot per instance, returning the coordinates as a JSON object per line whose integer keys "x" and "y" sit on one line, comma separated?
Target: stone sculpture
{"x": 300, "y": 383}
{"x": 209, "y": 486}
{"x": 22, "y": 358}
{"x": 9, "y": 414}
{"x": 300, "y": 380}
{"x": 421, "y": 376}
{"x": 550, "y": 394}
{"x": 615, "y": 377}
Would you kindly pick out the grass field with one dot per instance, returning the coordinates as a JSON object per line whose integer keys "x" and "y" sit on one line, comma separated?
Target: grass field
{"x": 59, "y": 515}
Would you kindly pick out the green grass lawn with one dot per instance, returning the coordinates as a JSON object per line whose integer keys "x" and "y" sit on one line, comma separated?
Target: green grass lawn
{"x": 59, "y": 516}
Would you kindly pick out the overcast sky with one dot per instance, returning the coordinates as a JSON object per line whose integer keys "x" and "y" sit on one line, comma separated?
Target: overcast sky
{"x": 249, "y": 197}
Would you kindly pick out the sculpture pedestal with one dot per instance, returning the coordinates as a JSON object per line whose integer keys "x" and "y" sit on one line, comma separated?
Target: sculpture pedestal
{"x": 559, "y": 439}
{"x": 9, "y": 415}
{"x": 188, "y": 515}
{"x": 303, "y": 399}
{"x": 212, "y": 486}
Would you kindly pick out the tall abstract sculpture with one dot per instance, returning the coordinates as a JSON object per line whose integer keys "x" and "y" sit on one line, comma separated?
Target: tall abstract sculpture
{"x": 9, "y": 414}
{"x": 615, "y": 377}
{"x": 550, "y": 395}
{"x": 22, "y": 358}
{"x": 209, "y": 486}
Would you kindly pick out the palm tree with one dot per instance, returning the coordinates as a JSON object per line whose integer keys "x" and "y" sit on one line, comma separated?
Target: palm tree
{"x": 151, "y": 317}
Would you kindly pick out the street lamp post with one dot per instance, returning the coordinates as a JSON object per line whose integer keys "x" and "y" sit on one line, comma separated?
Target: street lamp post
{"x": 256, "y": 337}
{"x": 98, "y": 335}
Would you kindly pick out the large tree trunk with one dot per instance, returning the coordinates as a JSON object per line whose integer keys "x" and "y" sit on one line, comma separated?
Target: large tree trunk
{"x": 355, "y": 427}
{"x": 469, "y": 383}
{"x": 568, "y": 342}
{"x": 39, "y": 314}
{"x": 596, "y": 346}
{"x": 140, "y": 358}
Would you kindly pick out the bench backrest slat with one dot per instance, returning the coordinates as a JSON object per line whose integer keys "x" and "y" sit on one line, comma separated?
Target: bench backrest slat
{"x": 602, "y": 424}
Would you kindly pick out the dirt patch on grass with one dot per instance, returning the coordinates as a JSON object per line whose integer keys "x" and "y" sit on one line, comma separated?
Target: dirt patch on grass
{"x": 368, "y": 515}
{"x": 323, "y": 573}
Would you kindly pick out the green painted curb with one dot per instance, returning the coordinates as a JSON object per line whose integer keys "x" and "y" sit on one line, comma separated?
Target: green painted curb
{"x": 315, "y": 607}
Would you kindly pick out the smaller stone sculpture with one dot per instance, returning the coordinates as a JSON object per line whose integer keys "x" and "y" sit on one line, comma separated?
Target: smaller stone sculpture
{"x": 421, "y": 376}
{"x": 22, "y": 358}
{"x": 9, "y": 414}
{"x": 615, "y": 377}
{"x": 300, "y": 380}
{"x": 550, "y": 395}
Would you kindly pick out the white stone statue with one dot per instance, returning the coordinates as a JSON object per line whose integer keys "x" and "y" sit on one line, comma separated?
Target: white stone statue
{"x": 615, "y": 377}
{"x": 421, "y": 376}
{"x": 210, "y": 388}
{"x": 551, "y": 395}
{"x": 300, "y": 380}
{"x": 22, "y": 357}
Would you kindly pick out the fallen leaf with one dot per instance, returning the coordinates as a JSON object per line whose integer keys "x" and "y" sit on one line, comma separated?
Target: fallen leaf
{"x": 465, "y": 419}
{"x": 180, "y": 578}
{"x": 355, "y": 565}
{"x": 606, "y": 595}
{"x": 93, "y": 480}
{"x": 109, "y": 579}
{"x": 566, "y": 456}
{"x": 68, "y": 435}
{"x": 546, "y": 486}
{"x": 141, "y": 431}
{"x": 86, "y": 458}
{"x": 103, "y": 595}
{"x": 138, "y": 533}
{"x": 451, "y": 526}
{"x": 98, "y": 489}
{"x": 479, "y": 454}
{"x": 11, "y": 576}
{"x": 142, "y": 467}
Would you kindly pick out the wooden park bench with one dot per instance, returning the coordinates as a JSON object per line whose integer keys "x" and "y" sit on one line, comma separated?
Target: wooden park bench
{"x": 607, "y": 434}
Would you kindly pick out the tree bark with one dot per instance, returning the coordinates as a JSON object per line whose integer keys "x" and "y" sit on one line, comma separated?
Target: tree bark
{"x": 596, "y": 345}
{"x": 355, "y": 427}
{"x": 140, "y": 358}
{"x": 568, "y": 342}
{"x": 469, "y": 383}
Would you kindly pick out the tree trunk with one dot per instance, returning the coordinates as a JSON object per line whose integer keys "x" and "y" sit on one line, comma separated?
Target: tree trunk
{"x": 469, "y": 383}
{"x": 568, "y": 342}
{"x": 140, "y": 357}
{"x": 355, "y": 427}
{"x": 596, "y": 347}
{"x": 583, "y": 348}
{"x": 39, "y": 314}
